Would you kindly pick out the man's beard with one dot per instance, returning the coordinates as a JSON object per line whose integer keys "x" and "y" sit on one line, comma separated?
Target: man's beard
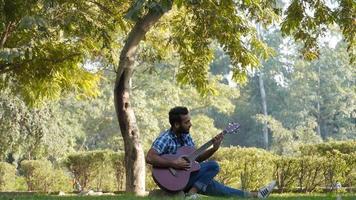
{"x": 182, "y": 131}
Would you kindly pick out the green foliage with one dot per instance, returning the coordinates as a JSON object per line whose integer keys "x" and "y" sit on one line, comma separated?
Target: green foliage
{"x": 308, "y": 20}
{"x": 196, "y": 26}
{"x": 150, "y": 183}
{"x": 310, "y": 173}
{"x": 286, "y": 171}
{"x": 154, "y": 94}
{"x": 93, "y": 170}
{"x": 45, "y": 44}
{"x": 322, "y": 91}
{"x": 61, "y": 181}
{"x": 94, "y": 120}
{"x": 294, "y": 90}
{"x": 193, "y": 26}
{"x": 284, "y": 141}
{"x": 7, "y": 176}
{"x": 42, "y": 177}
{"x": 350, "y": 173}
{"x": 37, "y": 174}
{"x": 140, "y": 7}
{"x": 320, "y": 165}
{"x": 33, "y": 132}
{"x": 35, "y": 41}
{"x": 246, "y": 168}
{"x": 344, "y": 147}
{"x": 250, "y": 168}
{"x": 334, "y": 169}
{"x": 118, "y": 160}
{"x": 20, "y": 184}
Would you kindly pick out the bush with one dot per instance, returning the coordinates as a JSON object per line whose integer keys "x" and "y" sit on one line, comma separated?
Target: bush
{"x": 246, "y": 168}
{"x": 286, "y": 170}
{"x": 344, "y": 147}
{"x": 7, "y": 176}
{"x": 42, "y": 177}
{"x": 118, "y": 160}
{"x": 249, "y": 168}
{"x": 93, "y": 170}
{"x": 350, "y": 172}
{"x": 120, "y": 173}
{"x": 20, "y": 184}
{"x": 61, "y": 181}
{"x": 309, "y": 173}
{"x": 340, "y": 164}
{"x": 37, "y": 174}
{"x": 335, "y": 168}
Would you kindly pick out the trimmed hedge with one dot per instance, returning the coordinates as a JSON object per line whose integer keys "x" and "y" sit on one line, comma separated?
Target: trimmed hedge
{"x": 7, "y": 176}
{"x": 42, "y": 177}
{"x": 344, "y": 147}
{"x": 286, "y": 171}
{"x": 102, "y": 170}
{"x": 117, "y": 160}
{"x": 95, "y": 170}
{"x": 246, "y": 168}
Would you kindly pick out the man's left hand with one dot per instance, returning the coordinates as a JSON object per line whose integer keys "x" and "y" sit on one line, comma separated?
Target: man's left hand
{"x": 217, "y": 141}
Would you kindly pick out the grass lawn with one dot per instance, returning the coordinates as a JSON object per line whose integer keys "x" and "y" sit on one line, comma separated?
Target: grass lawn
{"x": 130, "y": 197}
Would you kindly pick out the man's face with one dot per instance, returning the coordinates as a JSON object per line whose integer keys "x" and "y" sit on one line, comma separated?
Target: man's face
{"x": 185, "y": 124}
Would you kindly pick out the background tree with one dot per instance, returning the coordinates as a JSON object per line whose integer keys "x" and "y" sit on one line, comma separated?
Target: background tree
{"x": 33, "y": 133}
{"x": 322, "y": 90}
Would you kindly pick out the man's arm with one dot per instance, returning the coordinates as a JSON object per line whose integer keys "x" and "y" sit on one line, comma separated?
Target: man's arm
{"x": 208, "y": 153}
{"x": 154, "y": 159}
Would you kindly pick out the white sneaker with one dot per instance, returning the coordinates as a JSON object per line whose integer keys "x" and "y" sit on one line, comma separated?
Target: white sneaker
{"x": 265, "y": 191}
{"x": 191, "y": 196}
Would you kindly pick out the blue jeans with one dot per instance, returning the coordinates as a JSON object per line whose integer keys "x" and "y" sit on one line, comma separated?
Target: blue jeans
{"x": 204, "y": 181}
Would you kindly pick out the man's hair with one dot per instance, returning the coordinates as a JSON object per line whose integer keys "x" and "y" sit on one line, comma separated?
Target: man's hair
{"x": 175, "y": 113}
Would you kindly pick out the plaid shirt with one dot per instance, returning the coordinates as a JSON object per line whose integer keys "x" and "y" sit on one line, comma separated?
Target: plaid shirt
{"x": 168, "y": 142}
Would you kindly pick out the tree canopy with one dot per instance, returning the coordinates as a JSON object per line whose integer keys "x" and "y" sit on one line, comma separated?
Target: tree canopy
{"x": 45, "y": 42}
{"x": 45, "y": 45}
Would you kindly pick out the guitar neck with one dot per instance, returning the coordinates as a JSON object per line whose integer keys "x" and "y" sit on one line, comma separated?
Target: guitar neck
{"x": 202, "y": 149}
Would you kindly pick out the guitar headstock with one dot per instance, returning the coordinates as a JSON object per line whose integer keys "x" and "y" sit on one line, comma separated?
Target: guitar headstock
{"x": 231, "y": 128}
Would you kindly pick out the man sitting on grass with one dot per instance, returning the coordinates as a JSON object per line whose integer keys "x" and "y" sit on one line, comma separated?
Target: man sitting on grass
{"x": 201, "y": 181}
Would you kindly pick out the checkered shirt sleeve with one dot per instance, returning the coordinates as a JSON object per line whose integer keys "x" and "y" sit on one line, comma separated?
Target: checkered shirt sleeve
{"x": 161, "y": 143}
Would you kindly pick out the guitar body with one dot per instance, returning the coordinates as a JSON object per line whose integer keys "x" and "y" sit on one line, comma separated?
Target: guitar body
{"x": 177, "y": 180}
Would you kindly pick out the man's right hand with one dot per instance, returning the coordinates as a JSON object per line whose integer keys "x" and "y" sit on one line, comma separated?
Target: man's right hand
{"x": 181, "y": 164}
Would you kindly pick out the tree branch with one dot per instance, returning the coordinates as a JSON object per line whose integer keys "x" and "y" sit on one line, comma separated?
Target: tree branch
{"x": 135, "y": 36}
{"x": 102, "y": 7}
{"x": 6, "y": 34}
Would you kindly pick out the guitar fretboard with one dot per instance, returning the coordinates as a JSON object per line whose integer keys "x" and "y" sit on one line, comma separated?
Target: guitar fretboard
{"x": 198, "y": 152}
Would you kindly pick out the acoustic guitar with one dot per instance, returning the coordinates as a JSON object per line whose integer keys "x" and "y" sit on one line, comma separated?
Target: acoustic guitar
{"x": 174, "y": 180}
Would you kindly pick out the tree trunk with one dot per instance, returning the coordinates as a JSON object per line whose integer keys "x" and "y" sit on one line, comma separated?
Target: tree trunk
{"x": 318, "y": 129}
{"x": 263, "y": 96}
{"x": 134, "y": 155}
{"x": 264, "y": 109}
{"x": 319, "y": 121}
